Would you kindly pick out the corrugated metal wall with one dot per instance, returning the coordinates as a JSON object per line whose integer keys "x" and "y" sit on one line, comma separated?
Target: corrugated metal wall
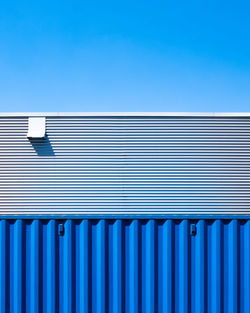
{"x": 126, "y": 165}
{"x": 124, "y": 266}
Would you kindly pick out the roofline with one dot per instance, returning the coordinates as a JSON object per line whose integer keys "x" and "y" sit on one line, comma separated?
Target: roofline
{"x": 127, "y": 114}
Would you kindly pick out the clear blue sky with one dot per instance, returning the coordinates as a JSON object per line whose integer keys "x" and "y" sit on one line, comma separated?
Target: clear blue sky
{"x": 124, "y": 56}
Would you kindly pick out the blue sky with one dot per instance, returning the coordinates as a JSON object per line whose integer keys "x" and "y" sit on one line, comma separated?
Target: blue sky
{"x": 124, "y": 56}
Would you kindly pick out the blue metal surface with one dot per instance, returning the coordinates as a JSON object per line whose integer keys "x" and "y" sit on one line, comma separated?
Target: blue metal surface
{"x": 124, "y": 266}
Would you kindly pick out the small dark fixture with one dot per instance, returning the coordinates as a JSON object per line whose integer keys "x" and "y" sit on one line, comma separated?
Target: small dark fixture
{"x": 192, "y": 229}
{"x": 60, "y": 229}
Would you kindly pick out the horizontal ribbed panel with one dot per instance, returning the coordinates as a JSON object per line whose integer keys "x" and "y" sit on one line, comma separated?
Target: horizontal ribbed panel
{"x": 125, "y": 266}
{"x": 126, "y": 165}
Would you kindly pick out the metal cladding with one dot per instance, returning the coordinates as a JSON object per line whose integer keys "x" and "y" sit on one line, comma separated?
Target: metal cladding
{"x": 126, "y": 166}
{"x": 124, "y": 266}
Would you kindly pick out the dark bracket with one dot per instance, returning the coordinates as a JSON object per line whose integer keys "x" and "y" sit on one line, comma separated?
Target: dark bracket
{"x": 193, "y": 229}
{"x": 60, "y": 229}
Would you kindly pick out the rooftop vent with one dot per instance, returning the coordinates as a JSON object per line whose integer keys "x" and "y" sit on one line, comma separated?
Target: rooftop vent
{"x": 36, "y": 128}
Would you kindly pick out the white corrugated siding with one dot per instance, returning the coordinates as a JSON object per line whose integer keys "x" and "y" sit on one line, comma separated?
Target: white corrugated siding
{"x": 126, "y": 165}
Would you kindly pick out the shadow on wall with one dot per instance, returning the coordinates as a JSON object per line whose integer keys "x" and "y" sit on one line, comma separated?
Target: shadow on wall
{"x": 42, "y": 147}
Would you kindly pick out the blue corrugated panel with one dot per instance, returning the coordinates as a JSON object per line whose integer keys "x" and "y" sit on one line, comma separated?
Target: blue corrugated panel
{"x": 125, "y": 266}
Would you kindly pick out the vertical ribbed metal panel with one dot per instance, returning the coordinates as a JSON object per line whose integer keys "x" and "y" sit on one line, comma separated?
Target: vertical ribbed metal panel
{"x": 126, "y": 266}
{"x": 126, "y": 166}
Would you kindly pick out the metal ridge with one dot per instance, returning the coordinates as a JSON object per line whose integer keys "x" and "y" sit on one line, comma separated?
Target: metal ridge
{"x": 127, "y": 114}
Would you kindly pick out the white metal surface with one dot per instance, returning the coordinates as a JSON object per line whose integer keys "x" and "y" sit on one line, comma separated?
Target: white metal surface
{"x": 36, "y": 127}
{"x": 128, "y": 114}
{"x": 126, "y": 165}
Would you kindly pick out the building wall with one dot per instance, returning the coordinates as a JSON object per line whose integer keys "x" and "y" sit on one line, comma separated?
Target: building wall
{"x": 124, "y": 266}
{"x": 126, "y": 166}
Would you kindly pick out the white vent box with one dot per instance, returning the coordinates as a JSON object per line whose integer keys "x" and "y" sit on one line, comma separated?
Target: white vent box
{"x": 36, "y": 128}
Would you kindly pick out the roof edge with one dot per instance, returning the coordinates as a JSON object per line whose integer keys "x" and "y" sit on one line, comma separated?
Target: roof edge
{"x": 127, "y": 114}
